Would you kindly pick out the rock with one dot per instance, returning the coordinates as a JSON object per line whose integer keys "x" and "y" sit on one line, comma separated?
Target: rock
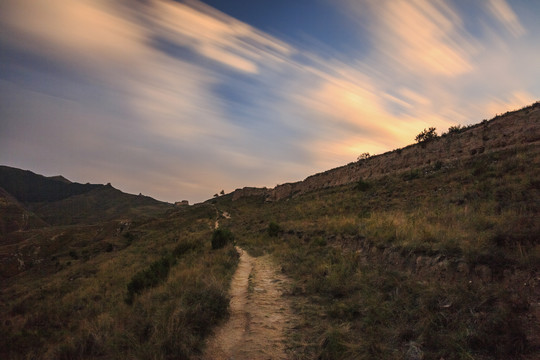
{"x": 249, "y": 191}
{"x": 414, "y": 352}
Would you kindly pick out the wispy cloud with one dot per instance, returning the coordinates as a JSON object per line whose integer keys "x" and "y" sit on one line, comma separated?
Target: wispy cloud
{"x": 183, "y": 100}
{"x": 217, "y": 36}
{"x": 424, "y": 36}
{"x": 504, "y": 13}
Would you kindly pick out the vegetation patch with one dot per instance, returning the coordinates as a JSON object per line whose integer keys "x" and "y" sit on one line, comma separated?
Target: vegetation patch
{"x": 156, "y": 273}
{"x": 221, "y": 237}
{"x": 273, "y": 229}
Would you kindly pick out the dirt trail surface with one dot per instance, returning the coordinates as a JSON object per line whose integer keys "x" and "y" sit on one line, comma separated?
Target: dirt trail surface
{"x": 260, "y": 315}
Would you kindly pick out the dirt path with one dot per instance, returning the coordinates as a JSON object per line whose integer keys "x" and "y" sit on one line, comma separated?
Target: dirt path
{"x": 259, "y": 314}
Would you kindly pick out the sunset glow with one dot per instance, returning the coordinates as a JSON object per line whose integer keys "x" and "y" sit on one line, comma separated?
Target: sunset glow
{"x": 180, "y": 99}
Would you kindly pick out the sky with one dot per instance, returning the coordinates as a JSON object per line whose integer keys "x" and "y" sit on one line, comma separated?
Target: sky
{"x": 182, "y": 99}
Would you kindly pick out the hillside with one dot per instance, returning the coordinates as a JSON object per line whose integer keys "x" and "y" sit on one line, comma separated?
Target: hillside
{"x": 40, "y": 212}
{"x": 104, "y": 203}
{"x": 58, "y": 201}
{"x": 14, "y": 216}
{"x": 427, "y": 252}
{"x": 28, "y": 187}
{"x": 513, "y": 129}
{"x": 431, "y": 251}
{"x": 441, "y": 261}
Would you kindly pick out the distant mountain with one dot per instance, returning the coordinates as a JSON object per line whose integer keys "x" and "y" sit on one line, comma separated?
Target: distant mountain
{"x": 60, "y": 178}
{"x": 103, "y": 203}
{"x": 28, "y": 187}
{"x": 58, "y": 201}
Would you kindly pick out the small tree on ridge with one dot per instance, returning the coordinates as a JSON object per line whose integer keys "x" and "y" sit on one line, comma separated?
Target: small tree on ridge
{"x": 426, "y": 135}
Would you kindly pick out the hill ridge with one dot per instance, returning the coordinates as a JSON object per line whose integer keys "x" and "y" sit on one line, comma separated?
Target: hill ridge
{"x": 512, "y": 129}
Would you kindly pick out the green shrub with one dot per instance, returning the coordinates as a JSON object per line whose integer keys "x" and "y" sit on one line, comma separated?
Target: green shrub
{"x": 333, "y": 344}
{"x": 150, "y": 277}
{"x": 362, "y": 185}
{"x": 185, "y": 247}
{"x": 201, "y": 308}
{"x": 273, "y": 229}
{"x": 129, "y": 237}
{"x": 205, "y": 307}
{"x": 221, "y": 237}
{"x": 411, "y": 175}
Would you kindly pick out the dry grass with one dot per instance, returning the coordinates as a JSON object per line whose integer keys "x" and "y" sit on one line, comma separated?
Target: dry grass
{"x": 79, "y": 310}
{"x": 434, "y": 263}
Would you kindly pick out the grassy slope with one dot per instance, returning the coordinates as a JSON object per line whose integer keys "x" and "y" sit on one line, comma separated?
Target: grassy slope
{"x": 73, "y": 305}
{"x": 440, "y": 260}
{"x": 102, "y": 204}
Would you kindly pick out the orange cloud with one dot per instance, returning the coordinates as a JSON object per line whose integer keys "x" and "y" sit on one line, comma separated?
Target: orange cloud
{"x": 218, "y": 36}
{"x": 86, "y": 31}
{"x": 420, "y": 35}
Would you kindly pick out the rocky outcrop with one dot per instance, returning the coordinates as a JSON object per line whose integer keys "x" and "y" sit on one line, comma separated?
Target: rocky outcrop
{"x": 512, "y": 129}
{"x": 249, "y": 191}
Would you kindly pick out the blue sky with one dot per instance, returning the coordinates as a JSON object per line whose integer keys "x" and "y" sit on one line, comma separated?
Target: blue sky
{"x": 180, "y": 99}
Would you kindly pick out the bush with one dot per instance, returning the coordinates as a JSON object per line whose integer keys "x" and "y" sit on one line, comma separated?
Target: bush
{"x": 150, "y": 277}
{"x": 184, "y": 247}
{"x": 129, "y": 237}
{"x": 364, "y": 156}
{"x": 455, "y": 129}
{"x": 426, "y": 135}
{"x": 221, "y": 237}
{"x": 362, "y": 185}
{"x": 411, "y": 175}
{"x": 273, "y": 229}
{"x": 205, "y": 307}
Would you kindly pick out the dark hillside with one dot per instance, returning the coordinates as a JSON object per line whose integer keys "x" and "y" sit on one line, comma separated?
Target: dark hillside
{"x": 14, "y": 216}
{"x": 60, "y": 178}
{"x": 27, "y": 186}
{"x": 58, "y": 201}
{"x": 102, "y": 203}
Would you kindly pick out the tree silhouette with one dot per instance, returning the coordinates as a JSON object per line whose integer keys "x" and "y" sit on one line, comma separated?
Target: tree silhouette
{"x": 426, "y": 135}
